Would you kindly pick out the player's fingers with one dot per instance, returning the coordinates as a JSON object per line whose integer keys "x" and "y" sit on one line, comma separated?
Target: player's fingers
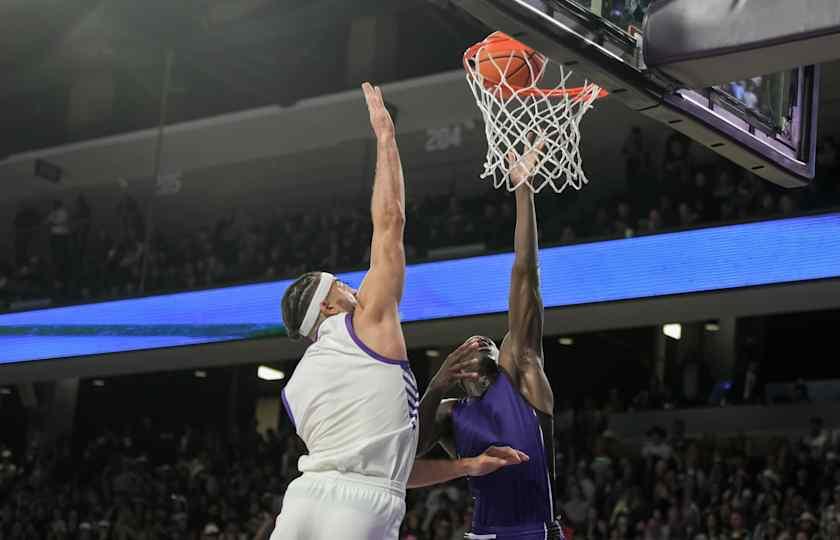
{"x": 367, "y": 89}
{"x": 465, "y": 375}
{"x": 507, "y": 453}
{"x": 463, "y": 349}
{"x": 540, "y": 143}
{"x": 466, "y": 363}
{"x": 511, "y": 157}
{"x": 379, "y": 95}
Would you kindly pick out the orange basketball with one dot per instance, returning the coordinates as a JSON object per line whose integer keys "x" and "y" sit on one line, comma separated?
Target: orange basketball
{"x": 501, "y": 56}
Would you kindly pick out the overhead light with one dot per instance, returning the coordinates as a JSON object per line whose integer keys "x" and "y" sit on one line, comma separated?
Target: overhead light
{"x": 673, "y": 331}
{"x": 6, "y": 391}
{"x": 98, "y": 382}
{"x": 567, "y": 341}
{"x": 432, "y": 353}
{"x": 712, "y": 327}
{"x": 200, "y": 374}
{"x": 270, "y": 374}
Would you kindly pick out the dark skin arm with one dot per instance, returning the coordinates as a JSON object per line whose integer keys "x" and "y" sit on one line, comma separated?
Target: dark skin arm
{"x": 521, "y": 353}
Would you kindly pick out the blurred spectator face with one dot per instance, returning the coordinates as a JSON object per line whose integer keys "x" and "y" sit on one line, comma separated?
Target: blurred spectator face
{"x": 568, "y": 234}
{"x": 736, "y": 521}
{"x": 700, "y": 179}
{"x": 686, "y": 215}
{"x": 786, "y": 205}
{"x": 489, "y": 211}
{"x": 768, "y": 204}
{"x": 601, "y": 216}
{"x": 654, "y": 219}
{"x": 623, "y": 211}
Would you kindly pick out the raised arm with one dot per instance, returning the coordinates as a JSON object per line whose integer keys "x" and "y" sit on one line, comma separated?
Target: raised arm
{"x": 381, "y": 291}
{"x": 521, "y": 354}
{"x": 525, "y": 307}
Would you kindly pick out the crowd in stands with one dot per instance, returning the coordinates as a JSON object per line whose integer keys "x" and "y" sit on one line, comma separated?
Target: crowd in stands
{"x": 150, "y": 482}
{"x": 85, "y": 264}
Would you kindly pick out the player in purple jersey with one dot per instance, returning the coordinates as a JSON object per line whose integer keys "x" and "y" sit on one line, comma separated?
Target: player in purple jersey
{"x": 510, "y": 403}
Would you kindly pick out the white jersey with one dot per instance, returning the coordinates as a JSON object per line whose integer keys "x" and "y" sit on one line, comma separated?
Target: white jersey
{"x": 355, "y": 410}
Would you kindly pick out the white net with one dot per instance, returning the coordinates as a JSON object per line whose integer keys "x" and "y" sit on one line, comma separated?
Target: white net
{"x": 517, "y": 120}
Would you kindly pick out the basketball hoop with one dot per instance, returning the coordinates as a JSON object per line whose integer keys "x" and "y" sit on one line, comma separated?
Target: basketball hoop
{"x": 520, "y": 117}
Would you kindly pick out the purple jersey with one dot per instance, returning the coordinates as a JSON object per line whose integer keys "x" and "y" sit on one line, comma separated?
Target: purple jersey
{"x": 515, "y": 501}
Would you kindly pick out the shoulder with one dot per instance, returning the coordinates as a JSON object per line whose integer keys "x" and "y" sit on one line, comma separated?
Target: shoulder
{"x": 382, "y": 338}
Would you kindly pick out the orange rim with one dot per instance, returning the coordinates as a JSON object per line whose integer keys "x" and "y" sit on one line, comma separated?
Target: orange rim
{"x": 576, "y": 92}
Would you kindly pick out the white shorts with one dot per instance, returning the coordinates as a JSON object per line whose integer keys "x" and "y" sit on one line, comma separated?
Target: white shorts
{"x": 331, "y": 505}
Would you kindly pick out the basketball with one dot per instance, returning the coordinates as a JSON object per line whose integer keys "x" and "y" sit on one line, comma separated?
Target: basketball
{"x": 504, "y": 58}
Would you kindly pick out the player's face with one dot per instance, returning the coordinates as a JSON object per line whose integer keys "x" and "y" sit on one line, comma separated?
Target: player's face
{"x": 343, "y": 296}
{"x": 487, "y": 368}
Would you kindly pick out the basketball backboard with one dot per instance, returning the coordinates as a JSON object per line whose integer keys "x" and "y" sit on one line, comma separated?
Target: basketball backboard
{"x": 766, "y": 124}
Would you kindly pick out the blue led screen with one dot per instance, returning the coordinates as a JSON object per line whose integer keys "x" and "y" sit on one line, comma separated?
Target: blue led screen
{"x": 733, "y": 256}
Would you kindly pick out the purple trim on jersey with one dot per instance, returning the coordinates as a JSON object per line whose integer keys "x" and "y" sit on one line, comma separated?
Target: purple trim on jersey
{"x": 288, "y": 409}
{"x": 409, "y": 382}
{"x": 348, "y": 320}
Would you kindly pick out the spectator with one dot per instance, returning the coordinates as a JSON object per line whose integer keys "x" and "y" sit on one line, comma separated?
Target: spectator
{"x": 676, "y": 164}
{"x": 787, "y": 205}
{"x": 81, "y": 225}
{"x": 576, "y": 506}
{"x": 800, "y": 392}
{"x": 654, "y": 221}
{"x": 636, "y": 164}
{"x": 26, "y": 224}
{"x": 656, "y": 446}
{"x": 737, "y": 529}
{"x": 817, "y": 439}
{"x": 58, "y": 221}
{"x": 687, "y": 215}
{"x": 751, "y": 387}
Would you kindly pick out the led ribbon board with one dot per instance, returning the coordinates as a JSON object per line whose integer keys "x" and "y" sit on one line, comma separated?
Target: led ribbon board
{"x": 726, "y": 257}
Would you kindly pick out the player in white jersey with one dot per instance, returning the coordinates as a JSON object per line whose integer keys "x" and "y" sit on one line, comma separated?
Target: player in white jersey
{"x": 353, "y": 398}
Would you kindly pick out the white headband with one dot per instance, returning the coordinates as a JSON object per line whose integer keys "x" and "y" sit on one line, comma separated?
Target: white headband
{"x": 314, "y": 308}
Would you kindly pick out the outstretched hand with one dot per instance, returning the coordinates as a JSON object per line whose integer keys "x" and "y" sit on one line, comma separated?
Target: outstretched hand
{"x": 522, "y": 169}
{"x": 460, "y": 364}
{"x": 493, "y": 459}
{"x": 380, "y": 118}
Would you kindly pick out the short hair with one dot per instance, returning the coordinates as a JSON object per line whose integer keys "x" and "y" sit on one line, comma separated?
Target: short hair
{"x": 296, "y": 301}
